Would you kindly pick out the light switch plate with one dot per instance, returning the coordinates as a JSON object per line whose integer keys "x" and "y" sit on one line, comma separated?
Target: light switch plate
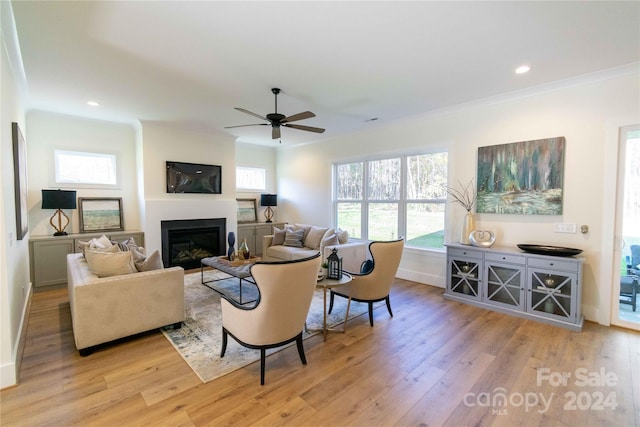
{"x": 565, "y": 228}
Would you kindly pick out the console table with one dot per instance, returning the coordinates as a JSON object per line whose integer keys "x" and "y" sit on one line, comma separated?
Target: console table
{"x": 48, "y": 254}
{"x": 508, "y": 280}
{"x": 254, "y": 232}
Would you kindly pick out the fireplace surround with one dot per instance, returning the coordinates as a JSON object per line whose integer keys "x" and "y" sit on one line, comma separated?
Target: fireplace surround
{"x": 186, "y": 241}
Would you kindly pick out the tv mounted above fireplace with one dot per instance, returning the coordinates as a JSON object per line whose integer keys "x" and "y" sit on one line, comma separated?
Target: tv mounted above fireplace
{"x": 193, "y": 178}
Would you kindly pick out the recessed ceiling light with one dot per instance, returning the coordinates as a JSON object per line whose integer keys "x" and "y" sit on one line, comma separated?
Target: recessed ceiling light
{"x": 522, "y": 69}
{"x": 93, "y": 103}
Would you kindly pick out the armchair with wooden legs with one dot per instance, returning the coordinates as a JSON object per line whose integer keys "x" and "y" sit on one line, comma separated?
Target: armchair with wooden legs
{"x": 285, "y": 292}
{"x": 374, "y": 282}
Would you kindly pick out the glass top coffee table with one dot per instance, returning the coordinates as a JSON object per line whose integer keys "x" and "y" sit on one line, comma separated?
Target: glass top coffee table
{"x": 237, "y": 268}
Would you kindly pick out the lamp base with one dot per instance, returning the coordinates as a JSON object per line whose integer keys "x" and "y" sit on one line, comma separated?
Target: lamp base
{"x": 59, "y": 228}
{"x": 268, "y": 214}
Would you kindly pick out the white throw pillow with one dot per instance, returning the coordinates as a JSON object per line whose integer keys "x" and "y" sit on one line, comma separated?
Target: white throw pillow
{"x": 314, "y": 237}
{"x": 331, "y": 240}
{"x": 343, "y": 236}
{"x": 107, "y": 264}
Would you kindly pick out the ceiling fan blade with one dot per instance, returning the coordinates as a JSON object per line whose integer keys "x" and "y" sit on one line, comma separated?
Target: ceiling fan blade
{"x": 241, "y": 126}
{"x": 307, "y": 128}
{"x": 299, "y": 116}
{"x": 275, "y": 132}
{"x": 250, "y": 113}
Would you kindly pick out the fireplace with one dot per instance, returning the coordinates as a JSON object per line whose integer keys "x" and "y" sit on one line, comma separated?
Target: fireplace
{"x": 186, "y": 241}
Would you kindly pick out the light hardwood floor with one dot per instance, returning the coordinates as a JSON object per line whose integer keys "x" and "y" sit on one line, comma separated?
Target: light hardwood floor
{"x": 436, "y": 362}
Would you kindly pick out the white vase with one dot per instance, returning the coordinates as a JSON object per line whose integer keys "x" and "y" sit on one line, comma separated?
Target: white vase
{"x": 467, "y": 227}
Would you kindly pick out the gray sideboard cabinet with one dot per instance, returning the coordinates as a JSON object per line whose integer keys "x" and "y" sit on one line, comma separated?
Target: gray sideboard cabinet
{"x": 254, "y": 233}
{"x": 539, "y": 287}
{"x": 48, "y": 254}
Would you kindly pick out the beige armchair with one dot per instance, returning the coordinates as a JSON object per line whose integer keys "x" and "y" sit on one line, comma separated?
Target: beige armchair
{"x": 374, "y": 282}
{"x": 278, "y": 317}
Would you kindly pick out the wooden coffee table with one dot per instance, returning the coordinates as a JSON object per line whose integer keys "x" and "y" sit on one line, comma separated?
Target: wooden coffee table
{"x": 237, "y": 268}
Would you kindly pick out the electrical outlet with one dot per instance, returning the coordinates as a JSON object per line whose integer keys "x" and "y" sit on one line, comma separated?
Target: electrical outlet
{"x": 565, "y": 228}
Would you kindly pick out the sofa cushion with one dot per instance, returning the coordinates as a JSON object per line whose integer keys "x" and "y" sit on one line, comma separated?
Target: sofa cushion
{"x": 330, "y": 240}
{"x": 343, "y": 236}
{"x": 152, "y": 262}
{"x": 107, "y": 264}
{"x": 287, "y": 253}
{"x": 314, "y": 237}
{"x": 305, "y": 228}
{"x": 278, "y": 236}
{"x": 127, "y": 244}
{"x": 101, "y": 243}
{"x": 294, "y": 238}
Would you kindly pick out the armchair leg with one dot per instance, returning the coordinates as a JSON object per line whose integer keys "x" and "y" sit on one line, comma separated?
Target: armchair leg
{"x": 389, "y": 305}
{"x": 224, "y": 342}
{"x": 303, "y": 359}
{"x": 346, "y": 316}
{"x": 330, "y": 301}
{"x": 262, "y": 362}
{"x": 370, "y": 313}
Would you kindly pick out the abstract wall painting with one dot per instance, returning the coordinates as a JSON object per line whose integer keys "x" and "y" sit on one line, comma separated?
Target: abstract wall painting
{"x": 521, "y": 178}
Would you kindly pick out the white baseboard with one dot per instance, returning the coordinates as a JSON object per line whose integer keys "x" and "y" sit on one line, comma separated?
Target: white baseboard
{"x": 9, "y": 371}
{"x": 416, "y": 276}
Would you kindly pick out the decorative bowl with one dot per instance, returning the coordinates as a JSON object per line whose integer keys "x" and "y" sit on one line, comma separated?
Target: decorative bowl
{"x": 549, "y": 250}
{"x": 482, "y": 238}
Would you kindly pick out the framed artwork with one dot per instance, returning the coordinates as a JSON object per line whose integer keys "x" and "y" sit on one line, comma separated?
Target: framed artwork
{"x": 20, "y": 181}
{"x": 100, "y": 214}
{"x": 521, "y": 178}
{"x": 247, "y": 211}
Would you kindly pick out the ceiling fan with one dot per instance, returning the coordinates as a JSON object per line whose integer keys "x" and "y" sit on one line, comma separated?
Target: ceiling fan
{"x": 276, "y": 120}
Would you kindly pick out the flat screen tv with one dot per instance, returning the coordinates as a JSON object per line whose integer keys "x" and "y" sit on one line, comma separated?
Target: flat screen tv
{"x": 193, "y": 178}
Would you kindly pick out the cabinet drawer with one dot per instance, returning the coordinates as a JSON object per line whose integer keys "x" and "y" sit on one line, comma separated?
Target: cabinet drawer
{"x": 553, "y": 264}
{"x": 511, "y": 259}
{"x": 464, "y": 253}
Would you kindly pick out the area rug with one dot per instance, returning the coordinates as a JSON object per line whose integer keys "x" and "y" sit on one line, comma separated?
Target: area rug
{"x": 200, "y": 338}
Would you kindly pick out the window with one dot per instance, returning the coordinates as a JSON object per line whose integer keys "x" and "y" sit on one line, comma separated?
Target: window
{"x": 399, "y": 196}
{"x": 251, "y": 178}
{"x": 91, "y": 169}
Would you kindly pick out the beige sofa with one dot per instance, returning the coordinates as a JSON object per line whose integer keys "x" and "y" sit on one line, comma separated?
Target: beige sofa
{"x": 108, "y": 308}
{"x": 316, "y": 239}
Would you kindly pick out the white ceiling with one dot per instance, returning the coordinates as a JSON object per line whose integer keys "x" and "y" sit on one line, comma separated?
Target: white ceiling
{"x": 191, "y": 63}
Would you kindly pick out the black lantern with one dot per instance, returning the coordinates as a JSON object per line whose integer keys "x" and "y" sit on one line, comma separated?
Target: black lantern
{"x": 334, "y": 265}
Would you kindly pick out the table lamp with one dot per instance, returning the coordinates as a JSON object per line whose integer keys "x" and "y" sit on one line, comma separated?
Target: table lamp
{"x": 268, "y": 200}
{"x": 59, "y": 199}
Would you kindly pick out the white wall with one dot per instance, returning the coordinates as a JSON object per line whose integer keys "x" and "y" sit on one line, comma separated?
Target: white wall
{"x": 49, "y": 131}
{"x": 161, "y": 143}
{"x": 14, "y": 254}
{"x": 579, "y": 112}
{"x": 259, "y": 156}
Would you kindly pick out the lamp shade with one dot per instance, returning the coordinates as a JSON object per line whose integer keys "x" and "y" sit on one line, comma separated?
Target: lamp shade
{"x": 269, "y": 200}
{"x": 58, "y": 199}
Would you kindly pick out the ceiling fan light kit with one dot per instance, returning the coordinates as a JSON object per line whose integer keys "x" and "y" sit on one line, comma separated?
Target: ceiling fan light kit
{"x": 277, "y": 120}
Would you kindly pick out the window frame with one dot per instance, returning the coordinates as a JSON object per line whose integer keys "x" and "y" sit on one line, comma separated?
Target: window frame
{"x": 403, "y": 202}
{"x": 252, "y": 189}
{"x": 115, "y": 160}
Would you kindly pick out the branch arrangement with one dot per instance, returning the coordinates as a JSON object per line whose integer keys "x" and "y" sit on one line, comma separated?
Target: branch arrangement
{"x": 465, "y": 195}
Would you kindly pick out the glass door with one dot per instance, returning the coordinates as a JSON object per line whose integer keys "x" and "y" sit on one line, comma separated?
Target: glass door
{"x": 626, "y": 301}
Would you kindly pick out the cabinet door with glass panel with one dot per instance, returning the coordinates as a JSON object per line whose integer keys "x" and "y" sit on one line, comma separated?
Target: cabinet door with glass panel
{"x": 464, "y": 270}
{"x": 504, "y": 280}
{"x": 553, "y": 289}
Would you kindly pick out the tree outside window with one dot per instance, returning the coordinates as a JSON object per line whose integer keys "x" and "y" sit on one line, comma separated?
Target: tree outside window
{"x": 405, "y": 196}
